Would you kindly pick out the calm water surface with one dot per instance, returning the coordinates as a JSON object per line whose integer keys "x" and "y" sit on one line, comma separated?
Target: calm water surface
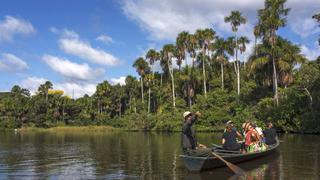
{"x": 136, "y": 155}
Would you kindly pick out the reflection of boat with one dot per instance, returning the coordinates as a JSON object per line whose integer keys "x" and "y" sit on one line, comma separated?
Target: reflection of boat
{"x": 205, "y": 163}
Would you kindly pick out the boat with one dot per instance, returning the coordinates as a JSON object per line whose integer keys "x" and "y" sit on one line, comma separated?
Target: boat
{"x": 197, "y": 164}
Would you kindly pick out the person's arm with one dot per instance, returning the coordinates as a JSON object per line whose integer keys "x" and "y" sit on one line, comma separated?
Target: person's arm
{"x": 239, "y": 135}
{"x": 223, "y": 141}
{"x": 195, "y": 117}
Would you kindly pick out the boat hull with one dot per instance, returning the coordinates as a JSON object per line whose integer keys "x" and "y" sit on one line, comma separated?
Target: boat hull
{"x": 196, "y": 164}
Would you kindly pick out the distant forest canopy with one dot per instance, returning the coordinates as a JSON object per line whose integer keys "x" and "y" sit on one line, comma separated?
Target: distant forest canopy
{"x": 276, "y": 83}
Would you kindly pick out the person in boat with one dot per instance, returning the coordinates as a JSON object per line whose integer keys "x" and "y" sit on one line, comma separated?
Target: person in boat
{"x": 251, "y": 138}
{"x": 229, "y": 138}
{"x": 270, "y": 134}
{"x": 258, "y": 130}
{"x": 189, "y": 143}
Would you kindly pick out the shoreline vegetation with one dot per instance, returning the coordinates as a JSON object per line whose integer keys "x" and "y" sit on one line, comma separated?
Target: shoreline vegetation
{"x": 72, "y": 129}
{"x": 200, "y": 71}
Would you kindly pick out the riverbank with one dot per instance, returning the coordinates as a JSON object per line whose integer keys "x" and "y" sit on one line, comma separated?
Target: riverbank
{"x": 76, "y": 129}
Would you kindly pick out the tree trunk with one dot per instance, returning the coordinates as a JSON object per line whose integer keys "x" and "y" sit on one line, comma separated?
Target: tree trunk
{"x": 172, "y": 82}
{"x": 204, "y": 72}
{"x": 222, "y": 78}
{"x": 149, "y": 98}
{"x": 130, "y": 105}
{"x": 142, "y": 97}
{"x": 238, "y": 68}
{"x": 275, "y": 81}
{"x": 310, "y": 97}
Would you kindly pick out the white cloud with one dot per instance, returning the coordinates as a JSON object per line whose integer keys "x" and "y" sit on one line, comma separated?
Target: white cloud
{"x": 311, "y": 53}
{"x": 71, "y": 43}
{"x": 76, "y": 90}
{"x": 71, "y": 89}
{"x": 71, "y": 70}
{"x": 165, "y": 19}
{"x": 121, "y": 81}
{"x": 104, "y": 38}
{"x": 11, "y": 26}
{"x": 305, "y": 27}
{"x": 12, "y": 63}
{"x": 300, "y": 17}
{"x": 32, "y": 83}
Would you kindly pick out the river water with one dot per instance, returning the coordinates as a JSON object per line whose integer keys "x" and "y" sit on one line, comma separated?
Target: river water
{"x": 138, "y": 155}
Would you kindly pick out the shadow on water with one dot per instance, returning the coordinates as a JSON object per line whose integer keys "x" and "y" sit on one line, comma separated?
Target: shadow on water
{"x": 261, "y": 168}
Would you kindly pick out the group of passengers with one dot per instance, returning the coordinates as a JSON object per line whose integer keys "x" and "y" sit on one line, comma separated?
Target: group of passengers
{"x": 254, "y": 139}
{"x": 252, "y": 136}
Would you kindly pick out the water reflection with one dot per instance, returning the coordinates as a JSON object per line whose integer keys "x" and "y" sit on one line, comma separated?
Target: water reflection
{"x": 130, "y": 155}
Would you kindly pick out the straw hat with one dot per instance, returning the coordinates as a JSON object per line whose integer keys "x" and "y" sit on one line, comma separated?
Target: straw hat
{"x": 187, "y": 113}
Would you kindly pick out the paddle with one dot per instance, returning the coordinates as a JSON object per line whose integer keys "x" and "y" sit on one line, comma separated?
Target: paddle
{"x": 237, "y": 170}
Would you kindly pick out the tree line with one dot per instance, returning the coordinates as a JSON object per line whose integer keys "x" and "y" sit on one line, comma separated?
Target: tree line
{"x": 275, "y": 83}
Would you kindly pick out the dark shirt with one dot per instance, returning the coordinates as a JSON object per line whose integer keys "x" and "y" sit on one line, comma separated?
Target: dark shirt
{"x": 270, "y": 135}
{"x": 230, "y": 138}
{"x": 188, "y": 138}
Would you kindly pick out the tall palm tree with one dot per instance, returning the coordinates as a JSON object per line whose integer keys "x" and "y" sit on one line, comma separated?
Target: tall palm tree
{"x": 204, "y": 38}
{"x": 131, "y": 86}
{"x": 242, "y": 45}
{"x": 181, "y": 45}
{"x": 102, "y": 92}
{"x": 236, "y": 19}
{"x": 221, "y": 48}
{"x": 287, "y": 56}
{"x": 153, "y": 56}
{"x": 142, "y": 68}
{"x": 166, "y": 58}
{"x": 149, "y": 79}
{"x": 44, "y": 88}
{"x": 272, "y": 17}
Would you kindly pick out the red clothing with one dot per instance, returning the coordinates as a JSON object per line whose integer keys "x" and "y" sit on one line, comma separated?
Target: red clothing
{"x": 251, "y": 137}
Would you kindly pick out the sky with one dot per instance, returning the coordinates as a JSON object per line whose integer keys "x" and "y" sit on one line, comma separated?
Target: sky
{"x": 76, "y": 44}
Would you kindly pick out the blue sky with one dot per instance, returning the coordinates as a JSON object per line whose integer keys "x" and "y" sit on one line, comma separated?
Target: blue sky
{"x": 76, "y": 44}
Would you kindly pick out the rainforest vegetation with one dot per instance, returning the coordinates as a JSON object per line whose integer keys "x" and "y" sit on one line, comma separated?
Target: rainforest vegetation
{"x": 200, "y": 72}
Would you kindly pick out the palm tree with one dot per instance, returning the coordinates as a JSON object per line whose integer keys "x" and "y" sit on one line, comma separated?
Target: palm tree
{"x": 272, "y": 17}
{"x": 204, "y": 38}
{"x": 149, "y": 79}
{"x": 142, "y": 68}
{"x": 236, "y": 19}
{"x": 257, "y": 34}
{"x": 166, "y": 59}
{"x": 131, "y": 86}
{"x": 242, "y": 45}
{"x": 102, "y": 92}
{"x": 191, "y": 47}
{"x": 287, "y": 56}
{"x": 181, "y": 45}
{"x": 221, "y": 47}
{"x": 44, "y": 88}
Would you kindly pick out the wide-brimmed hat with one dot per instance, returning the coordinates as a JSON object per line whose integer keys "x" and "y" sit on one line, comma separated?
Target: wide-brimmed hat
{"x": 187, "y": 113}
{"x": 229, "y": 122}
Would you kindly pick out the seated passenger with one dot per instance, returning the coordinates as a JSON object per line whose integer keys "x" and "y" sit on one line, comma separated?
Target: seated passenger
{"x": 251, "y": 139}
{"x": 229, "y": 138}
{"x": 270, "y": 134}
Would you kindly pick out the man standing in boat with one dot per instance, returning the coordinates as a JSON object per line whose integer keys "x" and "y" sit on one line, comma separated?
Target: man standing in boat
{"x": 189, "y": 143}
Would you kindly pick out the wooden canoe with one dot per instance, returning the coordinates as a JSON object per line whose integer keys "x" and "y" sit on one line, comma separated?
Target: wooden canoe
{"x": 197, "y": 164}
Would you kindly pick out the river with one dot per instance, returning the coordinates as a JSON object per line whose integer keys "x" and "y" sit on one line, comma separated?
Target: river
{"x": 138, "y": 155}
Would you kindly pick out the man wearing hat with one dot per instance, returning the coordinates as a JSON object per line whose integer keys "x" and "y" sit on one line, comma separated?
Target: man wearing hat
{"x": 229, "y": 137}
{"x": 189, "y": 142}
